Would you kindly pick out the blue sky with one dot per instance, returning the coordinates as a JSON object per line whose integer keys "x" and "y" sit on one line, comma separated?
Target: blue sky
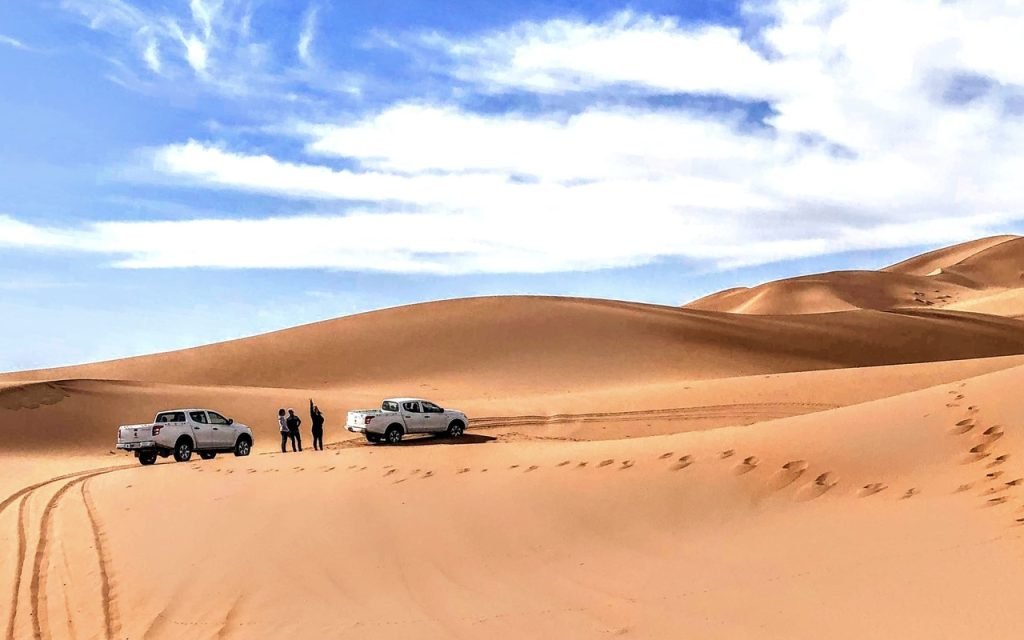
{"x": 177, "y": 173}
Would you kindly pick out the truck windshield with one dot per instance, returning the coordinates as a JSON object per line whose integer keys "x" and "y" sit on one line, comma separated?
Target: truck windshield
{"x": 389, "y": 406}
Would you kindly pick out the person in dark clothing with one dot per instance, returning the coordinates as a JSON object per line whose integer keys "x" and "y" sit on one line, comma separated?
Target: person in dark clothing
{"x": 318, "y": 426}
{"x": 293, "y": 423}
{"x": 282, "y": 422}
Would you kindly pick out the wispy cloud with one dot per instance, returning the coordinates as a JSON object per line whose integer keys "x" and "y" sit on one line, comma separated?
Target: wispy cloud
{"x": 304, "y": 46}
{"x": 14, "y": 43}
{"x": 207, "y": 46}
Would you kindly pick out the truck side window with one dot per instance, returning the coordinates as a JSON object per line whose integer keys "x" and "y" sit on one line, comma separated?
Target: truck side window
{"x": 198, "y": 416}
{"x": 430, "y": 407}
{"x": 175, "y": 416}
{"x": 216, "y": 418}
{"x": 411, "y": 407}
{"x": 389, "y": 406}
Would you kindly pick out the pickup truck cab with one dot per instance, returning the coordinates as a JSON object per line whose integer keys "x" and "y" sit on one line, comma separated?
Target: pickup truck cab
{"x": 179, "y": 432}
{"x": 398, "y": 417}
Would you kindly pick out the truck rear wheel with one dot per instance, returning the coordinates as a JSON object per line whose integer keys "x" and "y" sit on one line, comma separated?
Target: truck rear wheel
{"x": 372, "y": 437}
{"x": 147, "y": 457}
{"x": 394, "y": 434}
{"x": 183, "y": 450}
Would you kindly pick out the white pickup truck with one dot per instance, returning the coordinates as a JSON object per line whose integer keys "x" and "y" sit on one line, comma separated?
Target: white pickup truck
{"x": 179, "y": 432}
{"x": 398, "y": 417}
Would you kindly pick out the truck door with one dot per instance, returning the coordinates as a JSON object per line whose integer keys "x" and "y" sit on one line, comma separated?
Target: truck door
{"x": 413, "y": 415}
{"x": 434, "y": 418}
{"x": 204, "y": 435}
{"x": 223, "y": 433}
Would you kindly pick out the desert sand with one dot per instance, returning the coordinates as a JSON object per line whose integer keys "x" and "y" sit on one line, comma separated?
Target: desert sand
{"x": 832, "y": 456}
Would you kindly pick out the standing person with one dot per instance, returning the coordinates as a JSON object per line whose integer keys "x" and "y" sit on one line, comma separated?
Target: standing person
{"x": 293, "y": 423}
{"x": 318, "y": 426}
{"x": 283, "y": 422}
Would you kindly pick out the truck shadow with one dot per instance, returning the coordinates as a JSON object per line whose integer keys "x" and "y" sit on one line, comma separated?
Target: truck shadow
{"x": 424, "y": 440}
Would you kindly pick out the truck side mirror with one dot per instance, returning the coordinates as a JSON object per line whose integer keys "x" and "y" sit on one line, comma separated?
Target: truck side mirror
{"x": 231, "y": 421}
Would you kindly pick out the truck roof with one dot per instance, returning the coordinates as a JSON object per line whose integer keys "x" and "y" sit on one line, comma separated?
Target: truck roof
{"x": 405, "y": 400}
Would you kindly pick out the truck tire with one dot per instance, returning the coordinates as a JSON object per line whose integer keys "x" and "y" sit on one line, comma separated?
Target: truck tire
{"x": 243, "y": 447}
{"x": 207, "y": 455}
{"x": 372, "y": 437}
{"x": 147, "y": 457}
{"x": 183, "y": 450}
{"x": 394, "y": 434}
{"x": 456, "y": 429}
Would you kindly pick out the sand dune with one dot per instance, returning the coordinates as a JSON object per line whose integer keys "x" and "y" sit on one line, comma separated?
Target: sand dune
{"x": 867, "y": 521}
{"x": 630, "y": 470}
{"x": 958, "y": 277}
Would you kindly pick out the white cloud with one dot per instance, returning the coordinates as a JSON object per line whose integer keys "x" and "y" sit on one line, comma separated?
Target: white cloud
{"x": 304, "y": 46}
{"x": 151, "y": 55}
{"x": 871, "y": 143}
{"x": 628, "y": 49}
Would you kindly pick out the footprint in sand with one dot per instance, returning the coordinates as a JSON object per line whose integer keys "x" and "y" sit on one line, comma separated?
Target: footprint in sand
{"x": 429, "y": 474}
{"x": 463, "y": 470}
{"x": 532, "y": 467}
{"x": 749, "y": 464}
{"x": 993, "y": 433}
{"x": 626, "y": 464}
{"x": 822, "y": 484}
{"x": 329, "y": 469}
{"x": 992, "y": 502}
{"x": 981, "y": 448}
{"x": 999, "y": 460}
{"x": 581, "y": 465}
{"x": 992, "y": 475}
{"x": 872, "y": 489}
{"x": 564, "y": 462}
{"x": 389, "y": 472}
{"x": 965, "y": 487}
{"x": 665, "y": 456}
{"x": 728, "y": 453}
{"x": 788, "y": 474}
{"x": 514, "y": 466}
{"x": 682, "y": 463}
{"x": 910, "y": 493}
{"x": 962, "y": 427}
{"x": 1015, "y": 483}
{"x": 605, "y": 463}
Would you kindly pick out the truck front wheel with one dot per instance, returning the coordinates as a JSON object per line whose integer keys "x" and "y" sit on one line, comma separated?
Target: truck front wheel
{"x": 183, "y": 450}
{"x": 243, "y": 446}
{"x": 456, "y": 428}
{"x": 147, "y": 457}
{"x": 393, "y": 434}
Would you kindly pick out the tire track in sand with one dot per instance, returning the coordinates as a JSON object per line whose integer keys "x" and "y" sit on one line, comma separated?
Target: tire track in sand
{"x": 24, "y": 495}
{"x": 111, "y": 620}
{"x": 19, "y": 564}
{"x": 740, "y": 410}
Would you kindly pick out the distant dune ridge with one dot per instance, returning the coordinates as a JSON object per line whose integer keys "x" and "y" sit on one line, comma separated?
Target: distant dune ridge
{"x": 983, "y": 276}
{"x": 839, "y": 456}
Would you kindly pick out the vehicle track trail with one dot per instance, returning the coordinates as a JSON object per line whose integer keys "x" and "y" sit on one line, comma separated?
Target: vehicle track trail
{"x": 758, "y": 411}
{"x": 37, "y": 583}
{"x": 111, "y": 619}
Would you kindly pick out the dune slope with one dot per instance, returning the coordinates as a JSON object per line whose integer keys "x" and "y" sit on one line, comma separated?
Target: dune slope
{"x": 957, "y": 277}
